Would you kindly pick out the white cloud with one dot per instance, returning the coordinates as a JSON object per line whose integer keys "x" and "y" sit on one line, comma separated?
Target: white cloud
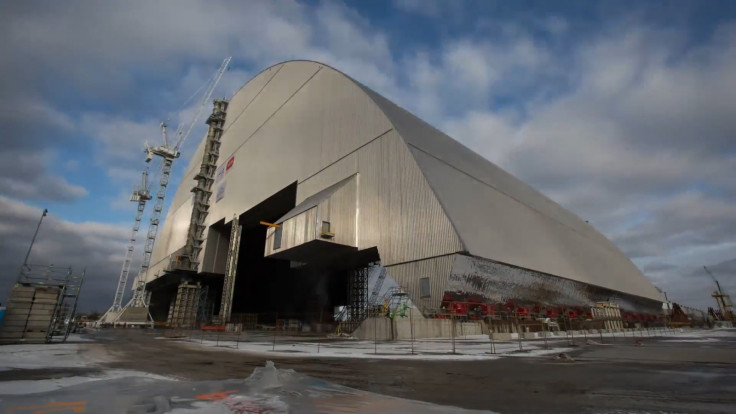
{"x": 633, "y": 129}
{"x": 23, "y": 175}
{"x": 98, "y": 247}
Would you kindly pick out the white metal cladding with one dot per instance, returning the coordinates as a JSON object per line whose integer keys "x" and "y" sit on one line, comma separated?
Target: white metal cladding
{"x": 339, "y": 209}
{"x": 408, "y": 276}
{"x": 286, "y": 124}
{"x": 306, "y": 118}
{"x": 397, "y": 210}
{"x": 215, "y": 254}
{"x": 419, "y": 193}
{"x": 500, "y": 218}
{"x": 294, "y": 231}
{"x": 420, "y": 135}
{"x": 522, "y": 236}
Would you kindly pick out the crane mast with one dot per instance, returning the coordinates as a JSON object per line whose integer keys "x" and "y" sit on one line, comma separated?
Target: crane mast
{"x": 168, "y": 153}
{"x": 723, "y": 299}
{"x": 140, "y": 195}
{"x": 139, "y": 298}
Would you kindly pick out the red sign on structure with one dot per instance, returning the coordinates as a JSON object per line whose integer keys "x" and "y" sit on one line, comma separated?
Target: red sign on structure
{"x": 459, "y": 308}
{"x": 486, "y": 309}
{"x": 230, "y": 163}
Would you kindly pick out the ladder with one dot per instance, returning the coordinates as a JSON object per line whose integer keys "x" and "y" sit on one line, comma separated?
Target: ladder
{"x": 231, "y": 268}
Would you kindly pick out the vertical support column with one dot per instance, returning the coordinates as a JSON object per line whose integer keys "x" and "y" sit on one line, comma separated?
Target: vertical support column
{"x": 231, "y": 268}
{"x": 357, "y": 296}
{"x": 183, "y": 313}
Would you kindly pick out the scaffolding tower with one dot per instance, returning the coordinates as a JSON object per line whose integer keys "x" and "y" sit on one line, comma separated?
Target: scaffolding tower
{"x": 185, "y": 308}
{"x": 66, "y": 308}
{"x": 42, "y": 305}
{"x": 188, "y": 257}
{"x": 356, "y": 311}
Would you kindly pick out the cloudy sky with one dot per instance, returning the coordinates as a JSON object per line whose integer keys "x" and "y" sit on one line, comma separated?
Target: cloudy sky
{"x": 623, "y": 112}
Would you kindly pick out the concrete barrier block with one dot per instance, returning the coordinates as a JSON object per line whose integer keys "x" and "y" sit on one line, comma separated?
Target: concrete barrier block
{"x": 501, "y": 336}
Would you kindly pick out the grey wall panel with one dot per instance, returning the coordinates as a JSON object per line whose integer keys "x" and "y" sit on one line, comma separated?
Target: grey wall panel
{"x": 408, "y": 276}
{"x": 170, "y": 238}
{"x": 411, "y": 222}
{"x": 396, "y": 209}
{"x": 499, "y": 217}
{"x": 215, "y": 257}
{"x": 244, "y": 98}
{"x": 174, "y": 230}
{"x": 286, "y": 125}
{"x": 499, "y": 227}
{"x": 432, "y": 141}
{"x": 334, "y": 173}
{"x": 294, "y": 231}
{"x": 246, "y": 116}
{"x": 307, "y": 123}
{"x": 340, "y": 210}
{"x": 312, "y": 129}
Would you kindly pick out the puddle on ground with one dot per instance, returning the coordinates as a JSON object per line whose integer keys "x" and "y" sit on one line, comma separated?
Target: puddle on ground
{"x": 267, "y": 390}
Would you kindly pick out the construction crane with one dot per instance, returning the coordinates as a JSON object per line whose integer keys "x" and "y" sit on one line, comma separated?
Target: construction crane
{"x": 168, "y": 153}
{"x": 722, "y": 298}
{"x": 140, "y": 195}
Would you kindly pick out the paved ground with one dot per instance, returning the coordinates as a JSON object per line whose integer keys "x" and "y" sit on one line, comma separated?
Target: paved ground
{"x": 685, "y": 373}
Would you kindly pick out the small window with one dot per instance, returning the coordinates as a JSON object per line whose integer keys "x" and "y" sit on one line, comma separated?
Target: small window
{"x": 424, "y": 290}
{"x": 277, "y": 238}
{"x": 326, "y": 232}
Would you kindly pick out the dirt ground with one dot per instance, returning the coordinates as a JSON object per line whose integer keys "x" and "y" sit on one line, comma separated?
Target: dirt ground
{"x": 660, "y": 375}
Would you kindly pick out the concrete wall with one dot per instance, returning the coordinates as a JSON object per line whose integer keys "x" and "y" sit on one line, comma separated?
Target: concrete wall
{"x": 28, "y": 314}
{"x": 381, "y": 329}
{"x": 401, "y": 329}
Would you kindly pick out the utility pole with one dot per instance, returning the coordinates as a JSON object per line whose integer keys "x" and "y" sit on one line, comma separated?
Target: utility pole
{"x": 25, "y": 261}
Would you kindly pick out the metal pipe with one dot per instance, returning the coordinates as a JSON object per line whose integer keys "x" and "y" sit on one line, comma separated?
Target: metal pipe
{"x": 452, "y": 319}
{"x": 411, "y": 328}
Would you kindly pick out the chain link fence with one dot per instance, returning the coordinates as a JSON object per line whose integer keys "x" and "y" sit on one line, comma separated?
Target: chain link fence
{"x": 407, "y": 334}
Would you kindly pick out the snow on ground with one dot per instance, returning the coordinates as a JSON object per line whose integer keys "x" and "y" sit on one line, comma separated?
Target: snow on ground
{"x": 37, "y": 356}
{"x": 268, "y": 389}
{"x": 24, "y": 387}
{"x": 470, "y": 347}
{"x": 702, "y": 335}
{"x": 476, "y": 347}
{"x": 75, "y": 338}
